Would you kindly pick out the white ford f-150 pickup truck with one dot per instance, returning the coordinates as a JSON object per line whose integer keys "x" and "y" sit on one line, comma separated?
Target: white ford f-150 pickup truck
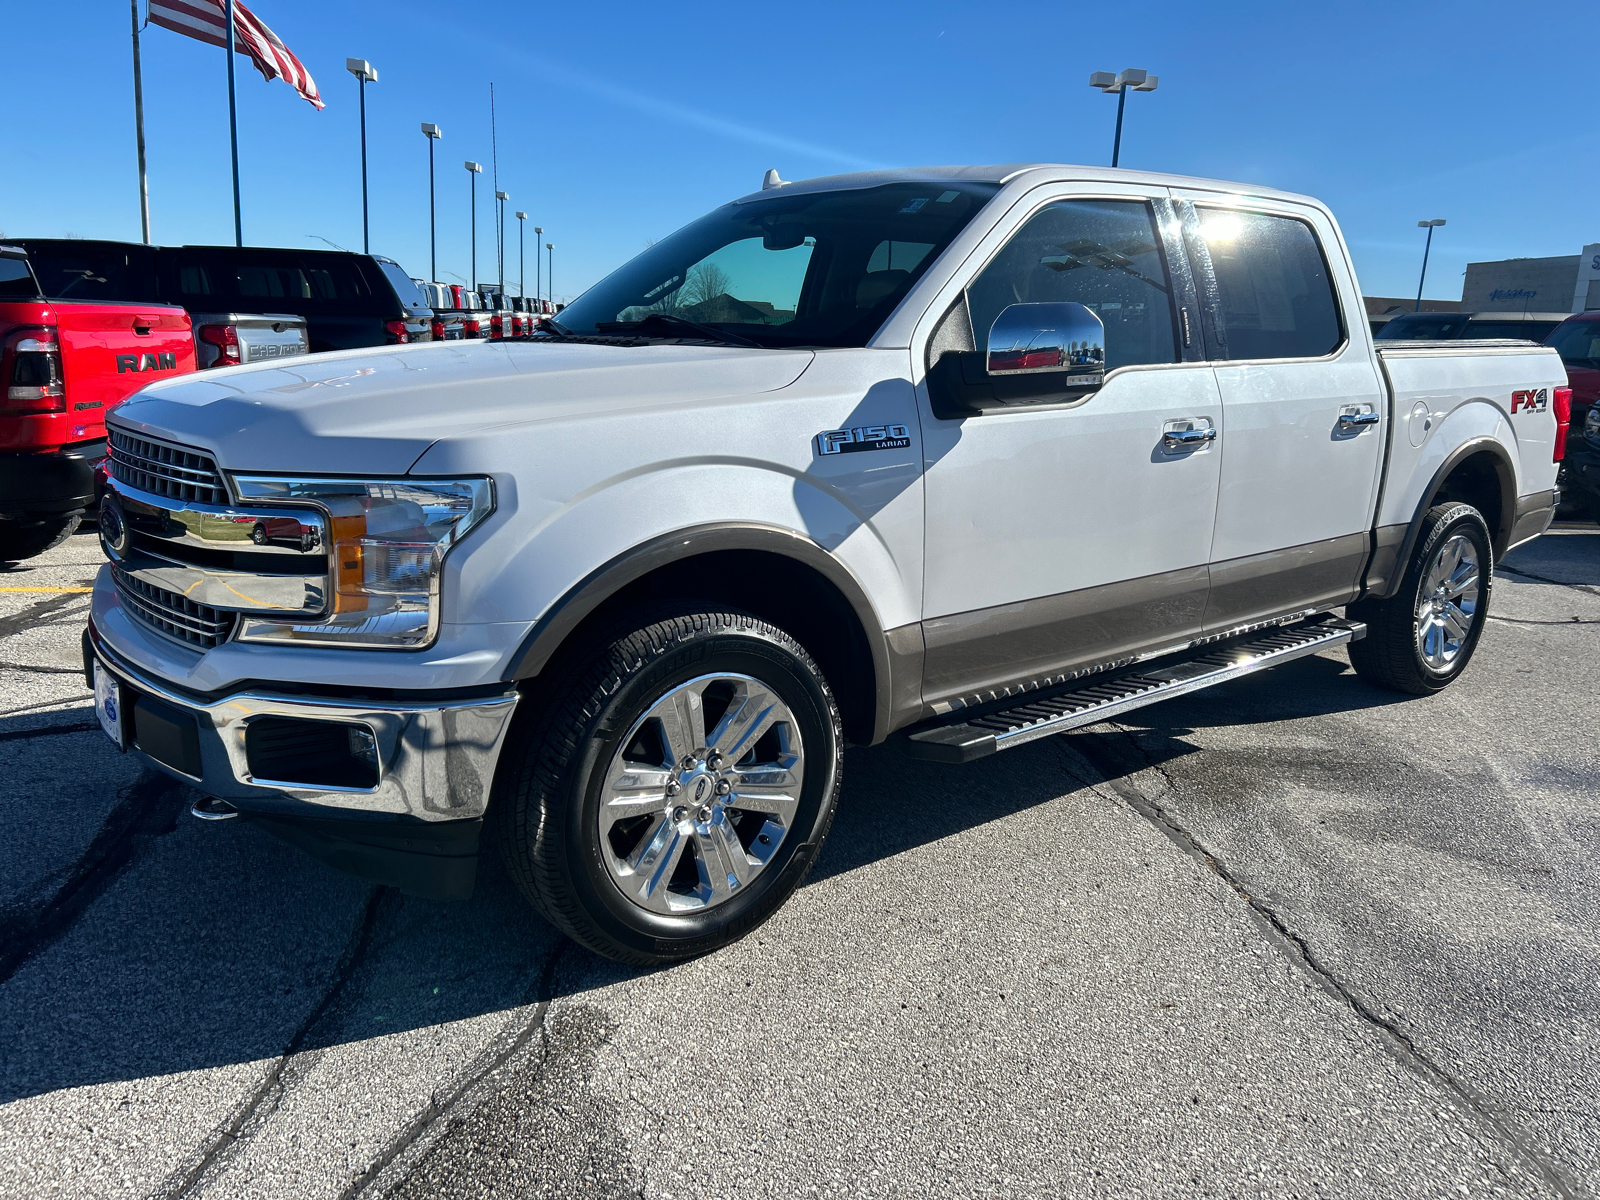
{"x": 961, "y": 457}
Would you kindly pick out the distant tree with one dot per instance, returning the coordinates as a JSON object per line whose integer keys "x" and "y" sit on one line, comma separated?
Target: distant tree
{"x": 705, "y": 281}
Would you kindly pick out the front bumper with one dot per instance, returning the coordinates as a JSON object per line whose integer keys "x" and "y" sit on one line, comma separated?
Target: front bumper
{"x": 53, "y": 483}
{"x": 436, "y": 760}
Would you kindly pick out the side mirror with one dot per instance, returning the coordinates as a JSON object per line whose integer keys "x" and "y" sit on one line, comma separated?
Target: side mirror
{"x": 1066, "y": 338}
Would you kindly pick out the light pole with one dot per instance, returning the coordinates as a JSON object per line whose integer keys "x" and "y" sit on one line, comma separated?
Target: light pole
{"x": 538, "y": 273}
{"x": 1430, "y": 226}
{"x": 365, "y": 73}
{"x": 521, "y": 260}
{"x": 473, "y": 171}
{"x": 1108, "y": 83}
{"x": 433, "y": 133}
{"x": 550, "y": 273}
{"x": 500, "y": 199}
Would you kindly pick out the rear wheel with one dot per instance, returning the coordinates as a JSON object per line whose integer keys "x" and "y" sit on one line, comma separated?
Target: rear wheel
{"x": 1421, "y": 639}
{"x": 671, "y": 789}
{"x": 20, "y": 540}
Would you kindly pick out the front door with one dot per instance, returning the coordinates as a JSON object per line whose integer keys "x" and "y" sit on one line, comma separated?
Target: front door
{"x": 1303, "y": 404}
{"x": 1068, "y": 536}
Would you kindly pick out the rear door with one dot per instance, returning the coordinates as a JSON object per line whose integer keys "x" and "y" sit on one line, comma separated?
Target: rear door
{"x": 1304, "y": 408}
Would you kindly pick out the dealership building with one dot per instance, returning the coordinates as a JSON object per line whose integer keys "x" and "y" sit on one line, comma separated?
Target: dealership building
{"x": 1568, "y": 283}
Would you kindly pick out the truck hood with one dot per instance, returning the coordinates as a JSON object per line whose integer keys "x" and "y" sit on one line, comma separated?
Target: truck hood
{"x": 374, "y": 412}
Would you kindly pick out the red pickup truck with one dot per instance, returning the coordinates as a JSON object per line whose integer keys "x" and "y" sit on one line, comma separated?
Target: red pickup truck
{"x": 64, "y": 364}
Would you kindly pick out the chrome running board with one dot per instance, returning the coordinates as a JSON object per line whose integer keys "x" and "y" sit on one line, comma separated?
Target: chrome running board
{"x": 958, "y": 739}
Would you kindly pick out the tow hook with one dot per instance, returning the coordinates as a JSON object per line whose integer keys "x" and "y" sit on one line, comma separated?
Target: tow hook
{"x": 209, "y": 808}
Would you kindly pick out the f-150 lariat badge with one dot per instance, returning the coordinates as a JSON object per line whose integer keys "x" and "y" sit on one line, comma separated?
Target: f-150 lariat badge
{"x": 863, "y": 437}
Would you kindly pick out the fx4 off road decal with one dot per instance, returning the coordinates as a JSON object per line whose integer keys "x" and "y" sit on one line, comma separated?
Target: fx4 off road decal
{"x": 1531, "y": 400}
{"x": 147, "y": 362}
{"x": 864, "y": 437}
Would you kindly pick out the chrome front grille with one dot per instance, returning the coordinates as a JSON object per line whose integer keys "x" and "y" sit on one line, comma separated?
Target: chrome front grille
{"x": 172, "y": 472}
{"x": 172, "y": 614}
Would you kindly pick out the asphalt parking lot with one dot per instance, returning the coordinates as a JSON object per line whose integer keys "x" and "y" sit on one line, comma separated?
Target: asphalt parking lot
{"x": 1293, "y": 937}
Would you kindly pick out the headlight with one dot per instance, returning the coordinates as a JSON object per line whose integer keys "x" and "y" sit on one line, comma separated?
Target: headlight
{"x": 387, "y": 542}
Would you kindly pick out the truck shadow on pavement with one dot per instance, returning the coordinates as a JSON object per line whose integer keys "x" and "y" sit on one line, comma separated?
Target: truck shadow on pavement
{"x": 173, "y": 945}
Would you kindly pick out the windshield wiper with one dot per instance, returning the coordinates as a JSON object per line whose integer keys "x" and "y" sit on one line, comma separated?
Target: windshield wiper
{"x": 679, "y": 326}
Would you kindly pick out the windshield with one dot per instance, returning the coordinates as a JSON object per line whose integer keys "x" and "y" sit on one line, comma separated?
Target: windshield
{"x": 1578, "y": 342}
{"x": 814, "y": 269}
{"x": 1412, "y": 327}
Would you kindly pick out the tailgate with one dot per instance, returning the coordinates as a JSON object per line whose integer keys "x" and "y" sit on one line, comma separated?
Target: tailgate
{"x": 109, "y": 351}
{"x": 247, "y": 337}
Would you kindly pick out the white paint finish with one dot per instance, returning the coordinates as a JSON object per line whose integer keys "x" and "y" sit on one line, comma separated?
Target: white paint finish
{"x": 1290, "y": 475}
{"x": 1040, "y": 501}
{"x": 1466, "y": 394}
{"x": 374, "y": 411}
{"x": 591, "y": 486}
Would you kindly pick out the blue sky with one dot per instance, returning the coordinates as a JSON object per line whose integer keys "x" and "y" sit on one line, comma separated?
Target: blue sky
{"x": 620, "y": 122}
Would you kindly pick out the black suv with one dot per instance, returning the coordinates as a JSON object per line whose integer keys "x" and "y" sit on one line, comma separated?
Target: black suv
{"x": 348, "y": 300}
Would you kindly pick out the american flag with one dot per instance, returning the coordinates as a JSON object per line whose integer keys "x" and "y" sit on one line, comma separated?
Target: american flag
{"x": 207, "y": 20}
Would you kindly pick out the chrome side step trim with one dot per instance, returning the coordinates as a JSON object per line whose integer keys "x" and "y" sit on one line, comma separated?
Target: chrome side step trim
{"x": 977, "y": 736}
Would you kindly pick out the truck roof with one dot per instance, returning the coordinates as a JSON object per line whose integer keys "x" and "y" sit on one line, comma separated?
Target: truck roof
{"x": 1006, "y": 172}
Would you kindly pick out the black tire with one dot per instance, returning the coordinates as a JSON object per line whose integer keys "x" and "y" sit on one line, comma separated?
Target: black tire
{"x": 20, "y": 540}
{"x": 545, "y": 812}
{"x": 258, "y": 534}
{"x": 1391, "y": 654}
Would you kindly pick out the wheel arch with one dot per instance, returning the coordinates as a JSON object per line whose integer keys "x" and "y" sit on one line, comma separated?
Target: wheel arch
{"x": 1479, "y": 472}
{"x": 774, "y": 573}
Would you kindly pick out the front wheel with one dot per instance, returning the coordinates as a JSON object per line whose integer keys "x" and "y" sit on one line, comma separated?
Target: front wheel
{"x": 670, "y": 789}
{"x": 1421, "y": 639}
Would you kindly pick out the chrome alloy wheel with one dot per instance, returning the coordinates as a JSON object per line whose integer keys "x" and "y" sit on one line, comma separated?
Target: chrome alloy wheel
{"x": 701, "y": 793}
{"x": 1447, "y": 602}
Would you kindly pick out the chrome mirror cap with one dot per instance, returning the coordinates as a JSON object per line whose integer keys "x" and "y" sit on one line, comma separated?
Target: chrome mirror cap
{"x": 1028, "y": 339}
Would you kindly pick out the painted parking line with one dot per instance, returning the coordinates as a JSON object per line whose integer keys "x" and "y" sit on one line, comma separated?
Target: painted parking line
{"x": 44, "y": 589}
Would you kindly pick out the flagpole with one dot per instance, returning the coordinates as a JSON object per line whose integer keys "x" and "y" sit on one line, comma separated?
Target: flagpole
{"x": 233, "y": 134}
{"x": 138, "y": 124}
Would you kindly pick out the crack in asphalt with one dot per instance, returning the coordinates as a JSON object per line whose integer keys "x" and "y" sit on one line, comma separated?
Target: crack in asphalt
{"x": 149, "y": 808}
{"x": 1526, "y": 621}
{"x": 264, "y": 1099}
{"x": 11, "y": 666}
{"x": 1299, "y": 952}
{"x": 482, "y": 1068}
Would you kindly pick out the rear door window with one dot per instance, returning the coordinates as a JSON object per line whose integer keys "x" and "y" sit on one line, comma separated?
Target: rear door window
{"x": 1275, "y": 296}
{"x": 1104, "y": 254}
{"x": 404, "y": 286}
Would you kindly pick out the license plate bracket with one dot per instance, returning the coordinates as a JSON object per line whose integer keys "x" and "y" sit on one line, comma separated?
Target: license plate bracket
{"x": 108, "y": 706}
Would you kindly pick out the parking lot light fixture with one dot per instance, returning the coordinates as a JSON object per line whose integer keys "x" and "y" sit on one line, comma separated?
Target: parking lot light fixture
{"x": 365, "y": 73}
{"x": 538, "y": 264}
{"x": 433, "y": 133}
{"x": 473, "y": 171}
{"x": 1430, "y": 226}
{"x": 550, "y": 272}
{"x": 500, "y": 199}
{"x": 1131, "y": 78}
{"x": 522, "y": 218}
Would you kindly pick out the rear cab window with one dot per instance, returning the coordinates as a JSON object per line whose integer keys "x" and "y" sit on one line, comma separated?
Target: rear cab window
{"x": 70, "y": 269}
{"x": 1275, "y": 296}
{"x": 16, "y": 280}
{"x": 404, "y": 286}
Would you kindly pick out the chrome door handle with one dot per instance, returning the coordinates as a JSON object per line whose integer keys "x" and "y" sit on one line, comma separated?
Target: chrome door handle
{"x": 1354, "y": 419}
{"x": 1179, "y": 438}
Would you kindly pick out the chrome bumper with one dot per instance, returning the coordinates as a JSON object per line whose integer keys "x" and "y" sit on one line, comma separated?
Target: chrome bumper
{"x": 436, "y": 758}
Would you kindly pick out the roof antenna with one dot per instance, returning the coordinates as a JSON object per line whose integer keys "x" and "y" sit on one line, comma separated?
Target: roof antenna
{"x": 772, "y": 181}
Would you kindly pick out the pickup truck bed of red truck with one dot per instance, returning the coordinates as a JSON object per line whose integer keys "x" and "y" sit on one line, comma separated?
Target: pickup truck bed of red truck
{"x": 64, "y": 364}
